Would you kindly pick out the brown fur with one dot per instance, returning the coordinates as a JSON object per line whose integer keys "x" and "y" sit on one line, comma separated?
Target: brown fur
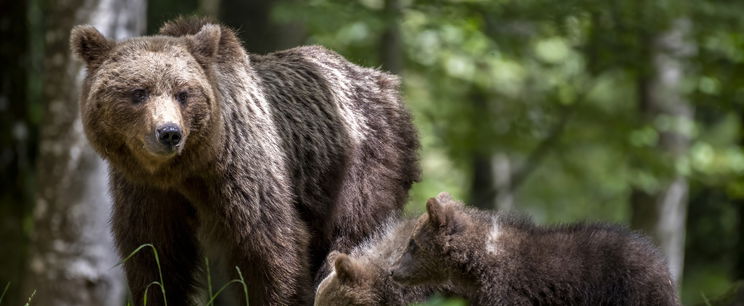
{"x": 363, "y": 277}
{"x": 494, "y": 259}
{"x": 284, "y": 156}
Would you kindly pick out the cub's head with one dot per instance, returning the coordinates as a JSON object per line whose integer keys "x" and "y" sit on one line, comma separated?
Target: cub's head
{"x": 351, "y": 283}
{"x": 426, "y": 258}
{"x": 147, "y": 101}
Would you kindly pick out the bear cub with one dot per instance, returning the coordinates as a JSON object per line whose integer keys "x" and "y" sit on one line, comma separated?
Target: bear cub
{"x": 363, "y": 276}
{"x": 494, "y": 259}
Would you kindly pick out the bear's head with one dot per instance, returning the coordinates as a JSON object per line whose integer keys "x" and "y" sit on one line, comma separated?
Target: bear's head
{"x": 426, "y": 257}
{"x": 148, "y": 104}
{"x": 351, "y": 282}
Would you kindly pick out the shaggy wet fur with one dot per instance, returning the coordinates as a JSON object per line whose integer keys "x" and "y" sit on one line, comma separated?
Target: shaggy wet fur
{"x": 493, "y": 259}
{"x": 363, "y": 277}
{"x": 284, "y": 156}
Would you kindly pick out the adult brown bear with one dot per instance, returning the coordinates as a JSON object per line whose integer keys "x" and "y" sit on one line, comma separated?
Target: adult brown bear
{"x": 268, "y": 161}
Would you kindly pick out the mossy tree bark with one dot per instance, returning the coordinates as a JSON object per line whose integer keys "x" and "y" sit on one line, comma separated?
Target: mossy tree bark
{"x": 662, "y": 212}
{"x": 72, "y": 254}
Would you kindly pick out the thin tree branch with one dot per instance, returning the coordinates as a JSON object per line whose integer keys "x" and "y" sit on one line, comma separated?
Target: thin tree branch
{"x": 546, "y": 145}
{"x": 541, "y": 151}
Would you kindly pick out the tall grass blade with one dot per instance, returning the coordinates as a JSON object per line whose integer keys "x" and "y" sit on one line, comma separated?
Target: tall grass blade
{"x": 213, "y": 297}
{"x": 29, "y": 298}
{"x": 5, "y": 290}
{"x": 161, "y": 283}
{"x": 209, "y": 277}
{"x": 245, "y": 286}
{"x": 240, "y": 281}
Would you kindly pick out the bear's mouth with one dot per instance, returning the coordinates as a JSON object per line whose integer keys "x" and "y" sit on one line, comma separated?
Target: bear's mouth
{"x": 164, "y": 152}
{"x": 165, "y": 142}
{"x": 156, "y": 151}
{"x": 152, "y": 157}
{"x": 160, "y": 151}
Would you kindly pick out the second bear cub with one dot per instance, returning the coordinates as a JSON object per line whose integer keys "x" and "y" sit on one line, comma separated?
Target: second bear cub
{"x": 363, "y": 276}
{"x": 492, "y": 259}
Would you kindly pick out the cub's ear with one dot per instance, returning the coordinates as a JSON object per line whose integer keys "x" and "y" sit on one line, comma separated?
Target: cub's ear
{"x": 441, "y": 211}
{"x": 445, "y": 198}
{"x": 205, "y": 44}
{"x": 346, "y": 269}
{"x": 331, "y": 258}
{"x": 90, "y": 45}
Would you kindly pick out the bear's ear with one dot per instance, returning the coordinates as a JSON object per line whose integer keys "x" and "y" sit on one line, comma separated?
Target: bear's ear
{"x": 205, "y": 44}
{"x": 90, "y": 45}
{"x": 346, "y": 269}
{"x": 441, "y": 211}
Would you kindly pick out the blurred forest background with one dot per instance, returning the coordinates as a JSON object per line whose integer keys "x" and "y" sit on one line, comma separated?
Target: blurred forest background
{"x": 622, "y": 111}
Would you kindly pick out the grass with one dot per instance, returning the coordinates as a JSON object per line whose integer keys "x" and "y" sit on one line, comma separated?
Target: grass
{"x": 161, "y": 283}
{"x": 30, "y": 298}
{"x": 4, "y": 291}
{"x": 240, "y": 280}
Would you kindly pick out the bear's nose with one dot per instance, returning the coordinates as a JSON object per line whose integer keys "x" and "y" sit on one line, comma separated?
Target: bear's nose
{"x": 169, "y": 135}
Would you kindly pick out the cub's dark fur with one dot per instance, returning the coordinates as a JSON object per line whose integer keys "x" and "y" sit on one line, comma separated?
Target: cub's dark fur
{"x": 494, "y": 259}
{"x": 267, "y": 161}
{"x": 363, "y": 277}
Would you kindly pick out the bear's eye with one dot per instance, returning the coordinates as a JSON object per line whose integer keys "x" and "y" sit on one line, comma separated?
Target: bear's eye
{"x": 139, "y": 96}
{"x": 182, "y": 97}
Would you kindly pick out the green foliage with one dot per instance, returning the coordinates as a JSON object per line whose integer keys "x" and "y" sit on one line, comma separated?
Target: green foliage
{"x": 487, "y": 77}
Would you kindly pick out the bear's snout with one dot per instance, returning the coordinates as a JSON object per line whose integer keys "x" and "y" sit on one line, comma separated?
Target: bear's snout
{"x": 169, "y": 135}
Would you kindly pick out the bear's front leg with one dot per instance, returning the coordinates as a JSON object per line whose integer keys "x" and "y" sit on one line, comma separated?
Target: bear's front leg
{"x": 142, "y": 215}
{"x": 272, "y": 252}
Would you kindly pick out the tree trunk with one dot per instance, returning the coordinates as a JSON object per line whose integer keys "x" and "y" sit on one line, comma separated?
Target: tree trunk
{"x": 259, "y": 32}
{"x": 491, "y": 181}
{"x": 739, "y": 257}
{"x": 663, "y": 213}
{"x": 490, "y": 187}
{"x": 16, "y": 138}
{"x": 502, "y": 173}
{"x": 391, "y": 53}
{"x": 482, "y": 193}
{"x": 739, "y": 206}
{"x": 72, "y": 252}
